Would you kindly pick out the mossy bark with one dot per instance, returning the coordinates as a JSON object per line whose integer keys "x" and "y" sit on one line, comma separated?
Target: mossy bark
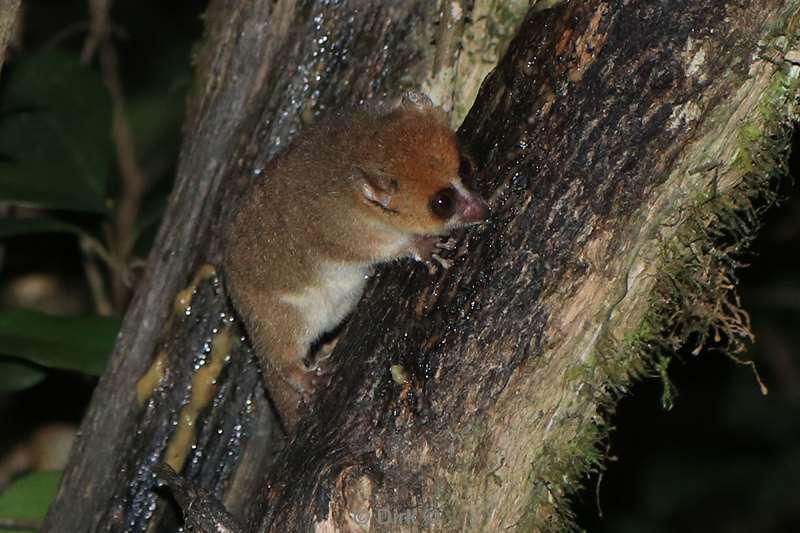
{"x": 618, "y": 142}
{"x": 8, "y": 17}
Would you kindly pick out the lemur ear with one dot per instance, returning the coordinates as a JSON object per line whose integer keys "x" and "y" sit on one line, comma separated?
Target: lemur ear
{"x": 417, "y": 99}
{"x": 376, "y": 187}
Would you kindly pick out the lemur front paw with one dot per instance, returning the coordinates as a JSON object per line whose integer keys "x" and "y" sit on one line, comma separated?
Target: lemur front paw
{"x": 429, "y": 250}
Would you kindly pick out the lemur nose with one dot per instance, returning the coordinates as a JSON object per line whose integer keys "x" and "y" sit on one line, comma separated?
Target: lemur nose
{"x": 475, "y": 210}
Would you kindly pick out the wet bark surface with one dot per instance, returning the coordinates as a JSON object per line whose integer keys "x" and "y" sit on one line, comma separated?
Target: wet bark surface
{"x": 453, "y": 395}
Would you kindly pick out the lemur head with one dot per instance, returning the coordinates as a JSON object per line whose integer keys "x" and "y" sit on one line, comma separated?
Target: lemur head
{"x": 415, "y": 181}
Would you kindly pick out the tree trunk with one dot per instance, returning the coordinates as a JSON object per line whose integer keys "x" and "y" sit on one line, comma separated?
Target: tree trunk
{"x": 622, "y": 144}
{"x": 8, "y": 17}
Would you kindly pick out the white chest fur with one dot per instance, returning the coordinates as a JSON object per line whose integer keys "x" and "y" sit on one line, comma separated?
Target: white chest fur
{"x": 332, "y": 296}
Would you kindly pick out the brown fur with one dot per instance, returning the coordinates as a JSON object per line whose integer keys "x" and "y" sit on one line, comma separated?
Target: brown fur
{"x": 302, "y": 236}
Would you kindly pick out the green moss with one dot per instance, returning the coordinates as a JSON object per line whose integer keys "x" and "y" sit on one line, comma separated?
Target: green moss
{"x": 541, "y": 5}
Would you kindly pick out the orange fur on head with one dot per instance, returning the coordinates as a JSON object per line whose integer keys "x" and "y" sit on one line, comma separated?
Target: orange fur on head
{"x": 421, "y": 152}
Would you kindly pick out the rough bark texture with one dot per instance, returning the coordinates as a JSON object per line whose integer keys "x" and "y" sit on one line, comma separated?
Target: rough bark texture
{"x": 8, "y": 16}
{"x": 469, "y": 400}
{"x": 603, "y": 126}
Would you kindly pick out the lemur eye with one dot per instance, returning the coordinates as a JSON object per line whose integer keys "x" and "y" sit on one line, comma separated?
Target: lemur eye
{"x": 443, "y": 203}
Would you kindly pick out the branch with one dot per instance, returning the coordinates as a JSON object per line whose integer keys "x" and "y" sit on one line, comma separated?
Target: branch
{"x": 134, "y": 180}
{"x": 202, "y": 512}
{"x": 8, "y": 18}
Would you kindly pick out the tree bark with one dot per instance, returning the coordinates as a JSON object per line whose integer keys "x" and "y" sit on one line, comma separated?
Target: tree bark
{"x": 8, "y": 17}
{"x": 622, "y": 145}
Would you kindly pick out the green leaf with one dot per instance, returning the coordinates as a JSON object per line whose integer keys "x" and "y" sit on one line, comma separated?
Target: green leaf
{"x": 18, "y": 375}
{"x": 155, "y": 118}
{"x": 146, "y": 225}
{"x": 29, "y": 497}
{"x": 81, "y": 344}
{"x": 12, "y": 227}
{"x": 56, "y": 149}
{"x": 156, "y": 109}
